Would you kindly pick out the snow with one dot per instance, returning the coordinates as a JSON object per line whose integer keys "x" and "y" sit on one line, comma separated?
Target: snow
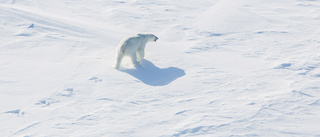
{"x": 219, "y": 68}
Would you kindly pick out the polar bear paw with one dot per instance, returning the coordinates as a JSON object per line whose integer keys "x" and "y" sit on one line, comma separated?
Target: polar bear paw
{"x": 137, "y": 63}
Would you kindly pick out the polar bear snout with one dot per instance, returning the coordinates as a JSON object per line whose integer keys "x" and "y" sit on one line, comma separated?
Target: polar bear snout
{"x": 156, "y": 38}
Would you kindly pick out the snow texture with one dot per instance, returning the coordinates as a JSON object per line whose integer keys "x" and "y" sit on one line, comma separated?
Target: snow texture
{"x": 219, "y": 68}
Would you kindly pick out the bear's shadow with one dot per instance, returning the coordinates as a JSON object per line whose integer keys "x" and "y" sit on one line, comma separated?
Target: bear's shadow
{"x": 151, "y": 75}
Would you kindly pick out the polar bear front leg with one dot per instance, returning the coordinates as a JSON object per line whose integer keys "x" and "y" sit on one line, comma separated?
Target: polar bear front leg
{"x": 134, "y": 59}
{"x": 119, "y": 57}
{"x": 140, "y": 54}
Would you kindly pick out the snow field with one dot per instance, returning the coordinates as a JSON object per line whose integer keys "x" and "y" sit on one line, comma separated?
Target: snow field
{"x": 220, "y": 68}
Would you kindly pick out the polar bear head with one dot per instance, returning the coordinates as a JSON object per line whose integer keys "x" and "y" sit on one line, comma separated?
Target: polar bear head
{"x": 149, "y": 37}
{"x": 152, "y": 38}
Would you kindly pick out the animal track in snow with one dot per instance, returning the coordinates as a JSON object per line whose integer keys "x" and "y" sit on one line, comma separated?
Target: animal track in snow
{"x": 18, "y": 112}
{"x": 47, "y": 102}
{"x": 96, "y": 79}
{"x": 67, "y": 92}
{"x": 283, "y": 66}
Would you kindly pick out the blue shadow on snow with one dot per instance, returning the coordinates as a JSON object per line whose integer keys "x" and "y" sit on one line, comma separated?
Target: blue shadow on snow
{"x": 151, "y": 75}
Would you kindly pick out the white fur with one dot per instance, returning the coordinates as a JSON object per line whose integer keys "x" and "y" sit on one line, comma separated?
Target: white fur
{"x": 134, "y": 48}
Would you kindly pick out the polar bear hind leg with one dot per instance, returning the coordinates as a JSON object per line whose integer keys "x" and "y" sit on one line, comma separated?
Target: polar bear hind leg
{"x": 119, "y": 57}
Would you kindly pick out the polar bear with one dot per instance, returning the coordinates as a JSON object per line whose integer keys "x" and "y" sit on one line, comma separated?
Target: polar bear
{"x": 134, "y": 47}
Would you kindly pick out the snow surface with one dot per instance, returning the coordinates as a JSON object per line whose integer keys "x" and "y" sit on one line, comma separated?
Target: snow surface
{"x": 220, "y": 68}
